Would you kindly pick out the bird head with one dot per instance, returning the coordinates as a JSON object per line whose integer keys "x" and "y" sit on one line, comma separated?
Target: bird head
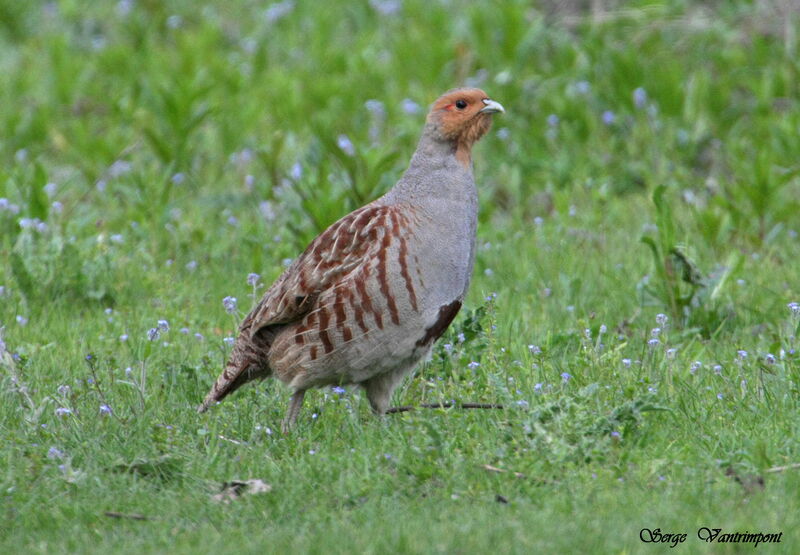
{"x": 462, "y": 117}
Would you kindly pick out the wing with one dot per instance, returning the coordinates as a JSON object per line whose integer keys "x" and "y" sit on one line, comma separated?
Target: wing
{"x": 347, "y": 245}
{"x": 339, "y": 250}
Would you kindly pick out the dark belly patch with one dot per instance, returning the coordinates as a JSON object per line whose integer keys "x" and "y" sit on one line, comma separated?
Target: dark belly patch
{"x": 446, "y": 314}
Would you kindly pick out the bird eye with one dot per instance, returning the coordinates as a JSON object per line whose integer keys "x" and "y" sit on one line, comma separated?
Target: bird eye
{"x": 461, "y": 104}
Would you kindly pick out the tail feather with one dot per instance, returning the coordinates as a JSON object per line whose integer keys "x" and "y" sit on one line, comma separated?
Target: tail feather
{"x": 230, "y": 380}
{"x": 248, "y": 362}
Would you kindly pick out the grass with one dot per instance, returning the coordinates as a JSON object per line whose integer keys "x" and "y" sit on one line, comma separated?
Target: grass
{"x": 156, "y": 153}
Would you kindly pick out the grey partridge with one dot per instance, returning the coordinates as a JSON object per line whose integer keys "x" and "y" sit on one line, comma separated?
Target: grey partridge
{"x": 364, "y": 303}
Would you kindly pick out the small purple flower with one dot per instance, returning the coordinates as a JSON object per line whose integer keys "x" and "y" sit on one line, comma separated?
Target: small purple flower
{"x": 410, "y": 107}
{"x": 339, "y": 390}
{"x": 795, "y": 308}
{"x": 552, "y": 120}
{"x": 229, "y": 341}
{"x": 655, "y": 332}
{"x": 232, "y": 221}
{"x": 386, "y": 7}
{"x": 64, "y": 390}
{"x": 695, "y": 366}
{"x": 118, "y": 168}
{"x": 55, "y": 453}
{"x": 565, "y": 377}
{"x": 278, "y": 10}
{"x": 661, "y": 319}
{"x": 375, "y": 107}
{"x": 671, "y": 353}
{"x": 174, "y": 21}
{"x": 742, "y": 354}
{"x": 719, "y": 396}
{"x": 178, "y": 178}
{"x": 123, "y": 337}
{"x": 21, "y": 320}
{"x": 153, "y": 334}
{"x": 522, "y": 403}
{"x": 57, "y": 207}
{"x": 534, "y": 350}
{"x": 267, "y": 211}
{"x": 639, "y": 97}
{"x": 63, "y": 411}
{"x": 191, "y": 265}
{"x": 185, "y": 331}
{"x": 769, "y": 358}
{"x": 538, "y": 387}
{"x": 653, "y": 342}
{"x": 344, "y": 143}
{"x": 608, "y": 117}
{"x": 230, "y": 304}
{"x": 615, "y": 434}
{"x": 50, "y": 189}
{"x": 117, "y": 239}
{"x": 718, "y": 369}
{"x": 461, "y": 338}
{"x": 198, "y": 336}
{"x": 163, "y": 326}
{"x": 105, "y": 410}
{"x": 626, "y": 362}
{"x": 252, "y": 279}
{"x": 583, "y": 87}
{"x": 296, "y": 172}
{"x": 473, "y": 365}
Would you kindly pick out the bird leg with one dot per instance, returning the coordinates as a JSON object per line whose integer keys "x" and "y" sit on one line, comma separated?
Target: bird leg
{"x": 379, "y": 389}
{"x": 294, "y": 409}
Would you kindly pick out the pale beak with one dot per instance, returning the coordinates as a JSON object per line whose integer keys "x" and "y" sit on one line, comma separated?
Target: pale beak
{"x": 491, "y": 107}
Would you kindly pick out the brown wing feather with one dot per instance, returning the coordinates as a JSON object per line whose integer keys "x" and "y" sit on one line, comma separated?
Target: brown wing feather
{"x": 339, "y": 250}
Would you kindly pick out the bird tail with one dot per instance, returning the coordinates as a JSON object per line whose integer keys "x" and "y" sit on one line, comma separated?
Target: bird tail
{"x": 229, "y": 381}
{"x": 248, "y": 362}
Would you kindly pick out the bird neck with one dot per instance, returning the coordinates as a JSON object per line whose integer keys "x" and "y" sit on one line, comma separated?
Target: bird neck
{"x": 433, "y": 145}
{"x": 434, "y": 151}
{"x": 436, "y": 170}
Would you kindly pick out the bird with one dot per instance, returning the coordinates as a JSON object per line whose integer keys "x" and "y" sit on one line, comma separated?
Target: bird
{"x": 367, "y": 299}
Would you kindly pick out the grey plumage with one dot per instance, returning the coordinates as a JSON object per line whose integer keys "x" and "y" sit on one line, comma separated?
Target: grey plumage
{"x": 368, "y": 297}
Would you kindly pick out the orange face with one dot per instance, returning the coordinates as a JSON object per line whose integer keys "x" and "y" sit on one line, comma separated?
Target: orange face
{"x": 464, "y": 115}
